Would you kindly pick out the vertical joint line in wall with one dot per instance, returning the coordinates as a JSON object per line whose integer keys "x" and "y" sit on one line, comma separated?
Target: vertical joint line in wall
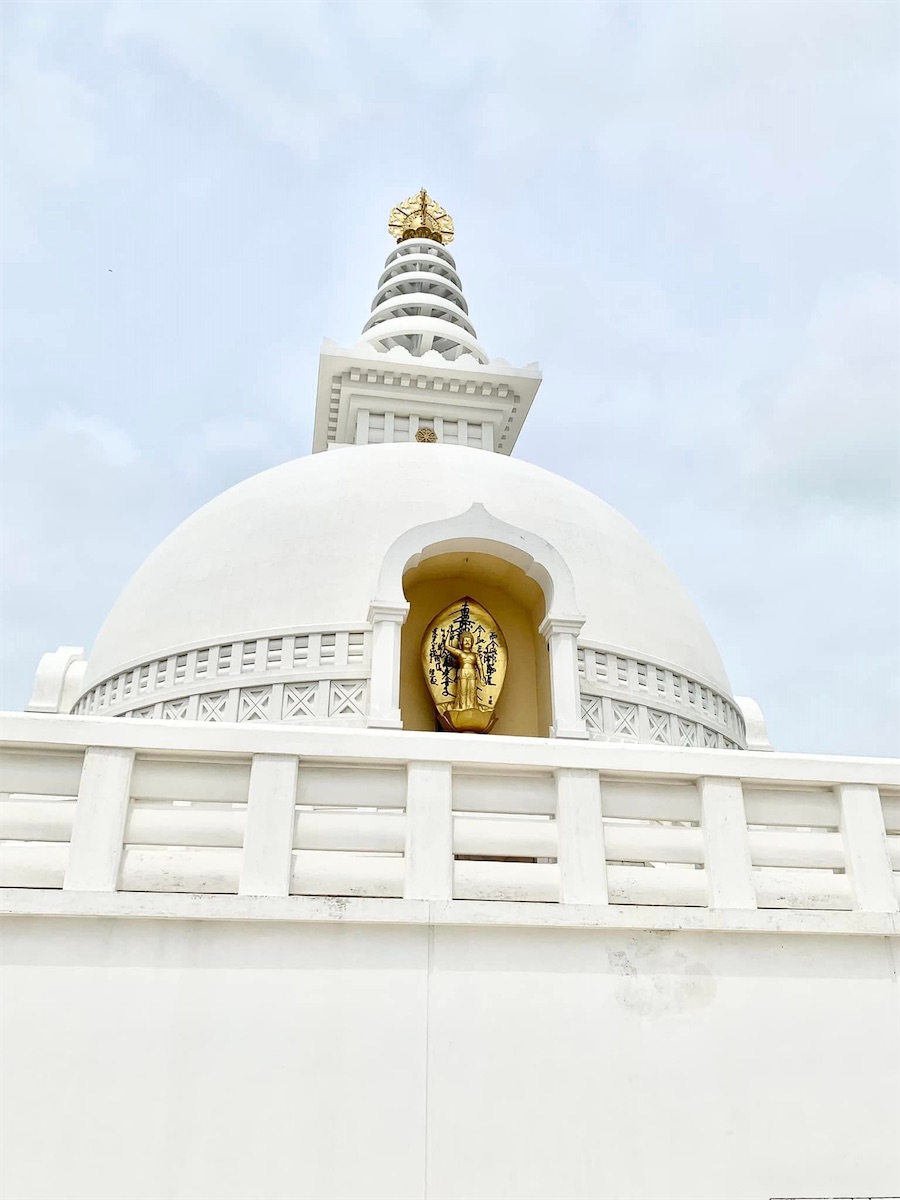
{"x": 892, "y": 945}
{"x": 426, "y": 1192}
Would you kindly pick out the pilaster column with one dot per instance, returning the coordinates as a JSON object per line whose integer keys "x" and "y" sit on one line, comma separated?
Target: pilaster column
{"x": 362, "y": 427}
{"x": 384, "y": 689}
{"x": 429, "y": 831}
{"x": 269, "y": 833}
{"x": 104, "y": 794}
{"x": 582, "y": 848}
{"x": 726, "y": 845}
{"x": 562, "y": 639}
{"x": 866, "y": 848}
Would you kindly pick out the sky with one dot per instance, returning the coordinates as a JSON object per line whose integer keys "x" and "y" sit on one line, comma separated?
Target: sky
{"x": 686, "y": 212}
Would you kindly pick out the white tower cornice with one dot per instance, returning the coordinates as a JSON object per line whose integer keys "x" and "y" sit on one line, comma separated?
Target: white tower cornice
{"x": 419, "y": 370}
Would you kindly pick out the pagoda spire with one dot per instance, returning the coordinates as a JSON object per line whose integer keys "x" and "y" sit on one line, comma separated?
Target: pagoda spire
{"x": 419, "y": 304}
{"x": 419, "y": 372}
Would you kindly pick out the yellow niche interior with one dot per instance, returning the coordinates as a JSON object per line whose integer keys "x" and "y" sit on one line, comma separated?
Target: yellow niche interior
{"x": 515, "y": 602}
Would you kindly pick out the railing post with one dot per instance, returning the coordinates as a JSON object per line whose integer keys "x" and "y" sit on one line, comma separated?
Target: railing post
{"x": 581, "y": 850}
{"x": 269, "y": 832}
{"x": 866, "y": 849}
{"x": 429, "y": 831}
{"x": 95, "y": 851}
{"x": 729, "y": 873}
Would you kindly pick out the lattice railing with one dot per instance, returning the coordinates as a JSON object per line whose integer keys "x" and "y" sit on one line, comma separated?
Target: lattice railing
{"x": 105, "y": 806}
{"x": 301, "y": 675}
{"x": 630, "y": 699}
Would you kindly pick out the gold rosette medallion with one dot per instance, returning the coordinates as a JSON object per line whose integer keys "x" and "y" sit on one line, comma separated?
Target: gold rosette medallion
{"x": 421, "y": 217}
{"x": 464, "y": 658}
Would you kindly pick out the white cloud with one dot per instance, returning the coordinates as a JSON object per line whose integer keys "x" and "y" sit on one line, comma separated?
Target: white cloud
{"x": 686, "y": 212}
{"x": 830, "y": 431}
{"x": 268, "y": 62}
{"x": 49, "y": 140}
{"x": 94, "y": 437}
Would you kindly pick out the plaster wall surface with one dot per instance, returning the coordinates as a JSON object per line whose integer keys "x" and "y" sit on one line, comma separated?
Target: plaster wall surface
{"x": 206, "y": 1060}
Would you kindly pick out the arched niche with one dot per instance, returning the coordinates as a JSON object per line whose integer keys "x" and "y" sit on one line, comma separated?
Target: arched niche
{"x": 518, "y": 605}
{"x": 478, "y": 532}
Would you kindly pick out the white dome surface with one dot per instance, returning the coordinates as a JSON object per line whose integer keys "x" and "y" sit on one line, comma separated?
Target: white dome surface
{"x": 303, "y": 544}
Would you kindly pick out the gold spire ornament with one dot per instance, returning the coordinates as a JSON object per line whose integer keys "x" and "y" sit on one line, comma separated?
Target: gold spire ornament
{"x": 464, "y": 658}
{"x": 421, "y": 217}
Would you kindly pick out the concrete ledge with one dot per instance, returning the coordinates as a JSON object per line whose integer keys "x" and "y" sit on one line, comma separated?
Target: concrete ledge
{"x": 376, "y": 746}
{"x": 354, "y": 910}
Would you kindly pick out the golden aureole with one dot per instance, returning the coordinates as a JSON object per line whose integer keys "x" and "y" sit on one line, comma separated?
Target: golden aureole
{"x": 421, "y": 217}
{"x": 464, "y": 658}
{"x": 426, "y": 435}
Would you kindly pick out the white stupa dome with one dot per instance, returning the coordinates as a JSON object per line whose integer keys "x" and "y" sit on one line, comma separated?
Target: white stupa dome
{"x": 301, "y": 545}
{"x": 297, "y": 596}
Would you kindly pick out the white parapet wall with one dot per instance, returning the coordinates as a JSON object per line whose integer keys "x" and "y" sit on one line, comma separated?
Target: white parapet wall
{"x": 250, "y": 960}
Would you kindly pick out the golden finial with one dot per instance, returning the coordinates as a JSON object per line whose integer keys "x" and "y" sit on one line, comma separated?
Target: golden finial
{"x": 421, "y": 217}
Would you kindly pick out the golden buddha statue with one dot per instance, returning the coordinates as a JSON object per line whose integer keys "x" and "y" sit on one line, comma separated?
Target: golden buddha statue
{"x": 464, "y": 658}
{"x": 468, "y": 673}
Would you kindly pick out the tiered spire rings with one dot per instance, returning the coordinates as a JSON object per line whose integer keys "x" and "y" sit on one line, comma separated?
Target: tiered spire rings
{"x": 419, "y": 305}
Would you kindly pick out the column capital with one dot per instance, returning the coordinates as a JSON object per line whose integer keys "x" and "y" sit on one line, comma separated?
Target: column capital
{"x": 388, "y": 612}
{"x": 570, "y": 623}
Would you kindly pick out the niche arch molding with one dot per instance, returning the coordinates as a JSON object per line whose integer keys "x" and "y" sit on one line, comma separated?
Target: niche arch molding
{"x": 479, "y": 530}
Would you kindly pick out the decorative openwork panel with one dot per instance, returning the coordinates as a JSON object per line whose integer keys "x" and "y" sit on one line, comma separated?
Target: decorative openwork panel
{"x": 348, "y": 698}
{"x": 314, "y": 675}
{"x": 212, "y": 707}
{"x": 253, "y": 704}
{"x": 627, "y": 699}
{"x": 287, "y": 677}
{"x": 311, "y": 701}
{"x": 299, "y": 700}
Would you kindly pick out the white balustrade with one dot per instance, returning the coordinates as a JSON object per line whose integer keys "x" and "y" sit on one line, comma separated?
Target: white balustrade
{"x": 260, "y": 814}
